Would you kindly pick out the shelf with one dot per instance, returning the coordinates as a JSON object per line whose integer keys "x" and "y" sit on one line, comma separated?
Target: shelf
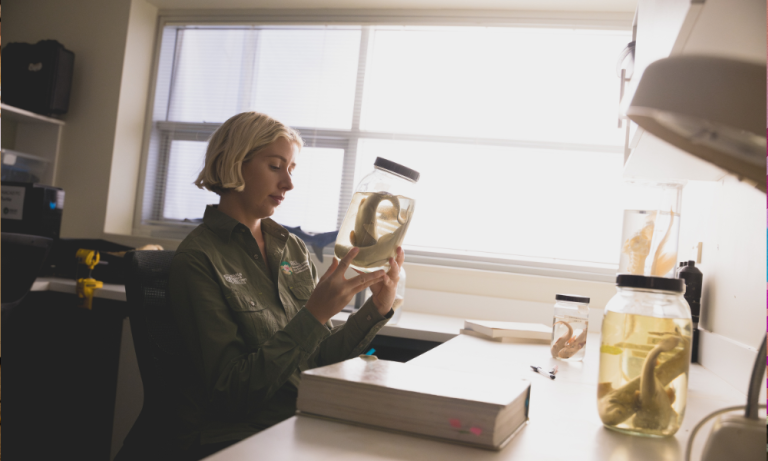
{"x": 21, "y": 167}
{"x": 25, "y": 116}
{"x": 653, "y": 158}
{"x": 30, "y": 144}
{"x": 15, "y": 153}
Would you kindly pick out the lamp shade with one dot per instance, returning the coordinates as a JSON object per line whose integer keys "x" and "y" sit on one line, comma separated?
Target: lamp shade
{"x": 711, "y": 107}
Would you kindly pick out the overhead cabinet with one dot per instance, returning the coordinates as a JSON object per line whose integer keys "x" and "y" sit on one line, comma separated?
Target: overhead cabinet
{"x": 725, "y": 28}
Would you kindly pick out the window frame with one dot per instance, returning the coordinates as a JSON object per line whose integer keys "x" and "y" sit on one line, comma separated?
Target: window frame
{"x": 165, "y": 131}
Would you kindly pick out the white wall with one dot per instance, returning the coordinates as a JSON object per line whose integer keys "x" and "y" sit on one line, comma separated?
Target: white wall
{"x": 131, "y": 116}
{"x": 728, "y": 218}
{"x": 733, "y": 261}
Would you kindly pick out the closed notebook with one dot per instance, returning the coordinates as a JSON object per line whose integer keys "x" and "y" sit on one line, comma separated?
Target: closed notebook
{"x": 496, "y": 329}
{"x": 503, "y": 339}
{"x": 464, "y": 408}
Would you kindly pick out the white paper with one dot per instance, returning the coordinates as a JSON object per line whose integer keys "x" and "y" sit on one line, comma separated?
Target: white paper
{"x": 13, "y": 202}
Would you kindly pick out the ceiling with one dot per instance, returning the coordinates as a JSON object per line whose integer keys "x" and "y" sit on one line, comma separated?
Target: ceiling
{"x": 611, "y": 6}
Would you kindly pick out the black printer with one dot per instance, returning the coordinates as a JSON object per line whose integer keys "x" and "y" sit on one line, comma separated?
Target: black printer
{"x": 32, "y": 209}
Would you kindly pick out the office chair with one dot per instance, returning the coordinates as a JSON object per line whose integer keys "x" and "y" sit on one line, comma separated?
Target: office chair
{"x": 22, "y": 258}
{"x": 159, "y": 351}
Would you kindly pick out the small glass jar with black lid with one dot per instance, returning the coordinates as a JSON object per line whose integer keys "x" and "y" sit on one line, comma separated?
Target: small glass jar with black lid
{"x": 378, "y": 216}
{"x": 645, "y": 351}
{"x": 569, "y": 327}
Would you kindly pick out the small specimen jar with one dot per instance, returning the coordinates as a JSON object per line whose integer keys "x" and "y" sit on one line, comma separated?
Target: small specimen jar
{"x": 378, "y": 216}
{"x": 645, "y": 353}
{"x": 569, "y": 327}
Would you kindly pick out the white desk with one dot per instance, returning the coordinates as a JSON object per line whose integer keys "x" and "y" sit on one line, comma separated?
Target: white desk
{"x": 564, "y": 424}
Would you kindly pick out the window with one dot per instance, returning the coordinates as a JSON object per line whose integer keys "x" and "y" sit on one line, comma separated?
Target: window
{"x": 514, "y": 130}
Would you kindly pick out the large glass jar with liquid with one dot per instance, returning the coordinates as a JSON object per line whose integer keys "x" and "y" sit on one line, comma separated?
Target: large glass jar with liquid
{"x": 378, "y": 216}
{"x": 651, "y": 227}
{"x": 645, "y": 353}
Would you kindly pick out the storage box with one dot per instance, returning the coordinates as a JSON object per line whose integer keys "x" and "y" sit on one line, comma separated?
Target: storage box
{"x": 20, "y": 167}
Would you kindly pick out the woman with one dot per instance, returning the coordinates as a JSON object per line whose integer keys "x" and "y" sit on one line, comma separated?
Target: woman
{"x": 247, "y": 298}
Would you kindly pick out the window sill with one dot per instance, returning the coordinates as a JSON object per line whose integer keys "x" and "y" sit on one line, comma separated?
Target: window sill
{"x": 544, "y": 267}
{"x": 415, "y": 325}
{"x": 484, "y": 284}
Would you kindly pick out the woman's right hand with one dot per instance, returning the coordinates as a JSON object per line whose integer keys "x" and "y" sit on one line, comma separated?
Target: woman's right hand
{"x": 334, "y": 291}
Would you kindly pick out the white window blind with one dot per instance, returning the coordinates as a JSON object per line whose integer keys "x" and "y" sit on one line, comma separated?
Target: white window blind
{"x": 514, "y": 130}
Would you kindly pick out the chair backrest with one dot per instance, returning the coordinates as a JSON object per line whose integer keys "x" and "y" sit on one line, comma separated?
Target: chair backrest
{"x": 23, "y": 257}
{"x": 159, "y": 351}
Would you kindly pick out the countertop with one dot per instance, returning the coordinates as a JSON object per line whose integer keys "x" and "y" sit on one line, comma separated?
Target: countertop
{"x": 564, "y": 424}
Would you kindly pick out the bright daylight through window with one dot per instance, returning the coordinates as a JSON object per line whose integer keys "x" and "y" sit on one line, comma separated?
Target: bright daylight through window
{"x": 514, "y": 130}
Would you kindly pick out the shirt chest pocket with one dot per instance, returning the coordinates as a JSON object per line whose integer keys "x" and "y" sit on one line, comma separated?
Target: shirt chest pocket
{"x": 255, "y": 321}
{"x": 301, "y": 286}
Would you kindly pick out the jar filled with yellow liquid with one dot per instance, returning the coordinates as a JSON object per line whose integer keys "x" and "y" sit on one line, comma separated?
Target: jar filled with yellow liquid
{"x": 378, "y": 216}
{"x": 645, "y": 353}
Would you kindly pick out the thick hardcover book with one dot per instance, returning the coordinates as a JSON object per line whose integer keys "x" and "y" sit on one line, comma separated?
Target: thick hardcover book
{"x": 495, "y": 329}
{"x": 469, "y": 409}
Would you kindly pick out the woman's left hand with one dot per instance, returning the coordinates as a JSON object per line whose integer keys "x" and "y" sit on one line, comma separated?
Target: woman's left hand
{"x": 384, "y": 291}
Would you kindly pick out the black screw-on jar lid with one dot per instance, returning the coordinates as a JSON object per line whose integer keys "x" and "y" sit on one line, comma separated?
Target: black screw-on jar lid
{"x": 572, "y": 298}
{"x": 396, "y": 168}
{"x": 651, "y": 283}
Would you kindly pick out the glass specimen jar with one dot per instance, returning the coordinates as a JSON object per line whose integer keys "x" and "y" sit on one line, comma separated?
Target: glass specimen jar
{"x": 569, "y": 327}
{"x": 651, "y": 227}
{"x": 645, "y": 353}
{"x": 378, "y": 216}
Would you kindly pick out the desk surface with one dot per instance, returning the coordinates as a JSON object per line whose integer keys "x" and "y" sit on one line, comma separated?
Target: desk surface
{"x": 564, "y": 424}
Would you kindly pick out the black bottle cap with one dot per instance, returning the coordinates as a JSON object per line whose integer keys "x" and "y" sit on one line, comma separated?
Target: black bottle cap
{"x": 396, "y": 168}
{"x": 572, "y": 298}
{"x": 689, "y": 269}
{"x": 683, "y": 263}
{"x": 651, "y": 283}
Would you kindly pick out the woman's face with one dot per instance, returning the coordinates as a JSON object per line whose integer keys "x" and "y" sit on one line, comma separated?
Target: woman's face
{"x": 267, "y": 177}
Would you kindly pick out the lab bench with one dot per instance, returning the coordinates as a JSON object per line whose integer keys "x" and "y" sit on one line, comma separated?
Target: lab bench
{"x": 564, "y": 423}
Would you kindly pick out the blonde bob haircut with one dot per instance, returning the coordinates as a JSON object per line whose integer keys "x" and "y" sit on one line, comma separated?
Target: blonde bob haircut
{"x": 236, "y": 142}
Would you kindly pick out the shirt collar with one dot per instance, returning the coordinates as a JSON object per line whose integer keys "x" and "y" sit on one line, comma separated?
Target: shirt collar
{"x": 274, "y": 229}
{"x": 223, "y": 225}
{"x": 220, "y": 223}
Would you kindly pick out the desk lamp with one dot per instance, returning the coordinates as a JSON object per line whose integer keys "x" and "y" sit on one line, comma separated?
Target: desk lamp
{"x": 710, "y": 107}
{"x": 714, "y": 109}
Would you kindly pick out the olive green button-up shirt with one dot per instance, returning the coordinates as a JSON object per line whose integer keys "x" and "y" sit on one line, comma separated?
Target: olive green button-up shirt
{"x": 245, "y": 327}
